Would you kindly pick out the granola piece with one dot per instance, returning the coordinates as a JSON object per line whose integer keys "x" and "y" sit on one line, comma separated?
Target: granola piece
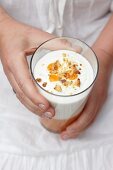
{"x": 65, "y": 60}
{"x": 77, "y": 82}
{"x": 64, "y": 54}
{"x": 73, "y": 76}
{"x": 70, "y": 83}
{"x": 77, "y": 72}
{"x": 38, "y": 80}
{"x": 74, "y": 66}
{"x": 58, "y": 88}
{"x": 44, "y": 84}
{"x": 57, "y": 63}
{"x": 63, "y": 81}
{"x": 69, "y": 63}
{"x": 66, "y": 83}
{"x": 66, "y": 75}
{"x": 70, "y": 75}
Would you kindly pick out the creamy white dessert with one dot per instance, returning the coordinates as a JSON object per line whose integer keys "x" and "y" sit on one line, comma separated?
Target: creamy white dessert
{"x": 65, "y": 79}
{"x": 67, "y": 74}
{"x": 63, "y": 72}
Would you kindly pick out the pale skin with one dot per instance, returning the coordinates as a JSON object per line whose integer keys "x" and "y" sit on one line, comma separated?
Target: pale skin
{"x": 17, "y": 40}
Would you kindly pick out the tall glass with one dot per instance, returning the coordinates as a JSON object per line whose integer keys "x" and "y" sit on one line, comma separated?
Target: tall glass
{"x": 67, "y": 108}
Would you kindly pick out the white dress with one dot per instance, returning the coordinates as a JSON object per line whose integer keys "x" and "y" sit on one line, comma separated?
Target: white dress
{"x": 24, "y": 144}
{"x": 74, "y": 18}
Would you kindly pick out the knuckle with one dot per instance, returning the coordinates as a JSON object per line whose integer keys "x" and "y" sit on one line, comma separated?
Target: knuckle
{"x": 20, "y": 95}
{"x": 89, "y": 119}
{"x": 19, "y": 98}
{"x": 21, "y": 84}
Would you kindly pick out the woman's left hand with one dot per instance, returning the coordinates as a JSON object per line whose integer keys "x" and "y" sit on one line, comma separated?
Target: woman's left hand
{"x": 95, "y": 101}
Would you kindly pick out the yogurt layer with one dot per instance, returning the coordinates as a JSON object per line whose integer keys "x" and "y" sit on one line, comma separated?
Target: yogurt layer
{"x": 63, "y": 72}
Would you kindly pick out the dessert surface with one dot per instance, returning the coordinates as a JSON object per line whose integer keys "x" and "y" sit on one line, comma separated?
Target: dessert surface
{"x": 63, "y": 72}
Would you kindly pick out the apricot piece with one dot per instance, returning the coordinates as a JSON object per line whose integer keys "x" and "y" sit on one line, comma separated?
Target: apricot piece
{"x": 50, "y": 67}
{"x": 53, "y": 77}
{"x": 53, "y": 66}
{"x": 73, "y": 76}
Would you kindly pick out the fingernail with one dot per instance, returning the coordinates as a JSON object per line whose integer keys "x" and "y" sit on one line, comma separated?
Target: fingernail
{"x": 47, "y": 115}
{"x": 65, "y": 137}
{"x": 77, "y": 48}
{"x": 42, "y": 106}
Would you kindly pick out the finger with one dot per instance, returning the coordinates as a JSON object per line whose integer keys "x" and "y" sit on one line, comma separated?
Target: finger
{"x": 73, "y": 133}
{"x": 37, "y": 37}
{"x": 49, "y": 113}
{"x": 77, "y": 127}
{"x": 23, "y": 78}
{"x": 20, "y": 95}
{"x": 86, "y": 118}
{"x": 24, "y": 100}
{"x": 33, "y": 108}
{"x": 87, "y": 115}
{"x": 30, "y": 106}
{"x": 61, "y": 44}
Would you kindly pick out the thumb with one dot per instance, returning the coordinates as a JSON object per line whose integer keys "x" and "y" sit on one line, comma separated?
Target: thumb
{"x": 35, "y": 38}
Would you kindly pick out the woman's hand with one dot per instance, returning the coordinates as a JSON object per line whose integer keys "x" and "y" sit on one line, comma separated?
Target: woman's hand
{"x": 96, "y": 99}
{"x": 17, "y": 40}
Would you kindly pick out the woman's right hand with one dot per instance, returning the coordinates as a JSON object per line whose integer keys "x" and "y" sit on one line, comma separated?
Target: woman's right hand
{"x": 17, "y": 40}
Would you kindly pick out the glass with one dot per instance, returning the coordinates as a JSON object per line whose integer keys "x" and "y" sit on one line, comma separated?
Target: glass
{"x": 69, "y": 107}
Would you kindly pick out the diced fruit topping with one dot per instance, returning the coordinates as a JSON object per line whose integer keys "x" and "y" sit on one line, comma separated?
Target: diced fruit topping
{"x": 39, "y": 80}
{"x": 64, "y": 72}
{"x": 44, "y": 84}
{"x": 58, "y": 88}
{"x": 53, "y": 77}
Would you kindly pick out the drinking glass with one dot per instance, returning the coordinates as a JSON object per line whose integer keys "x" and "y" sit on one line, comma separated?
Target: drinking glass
{"x": 69, "y": 107}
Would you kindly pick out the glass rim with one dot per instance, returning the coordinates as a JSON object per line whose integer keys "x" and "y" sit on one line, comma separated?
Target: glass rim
{"x": 70, "y": 50}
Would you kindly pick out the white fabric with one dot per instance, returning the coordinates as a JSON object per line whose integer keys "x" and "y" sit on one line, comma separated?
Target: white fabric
{"x": 24, "y": 144}
{"x": 83, "y": 19}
